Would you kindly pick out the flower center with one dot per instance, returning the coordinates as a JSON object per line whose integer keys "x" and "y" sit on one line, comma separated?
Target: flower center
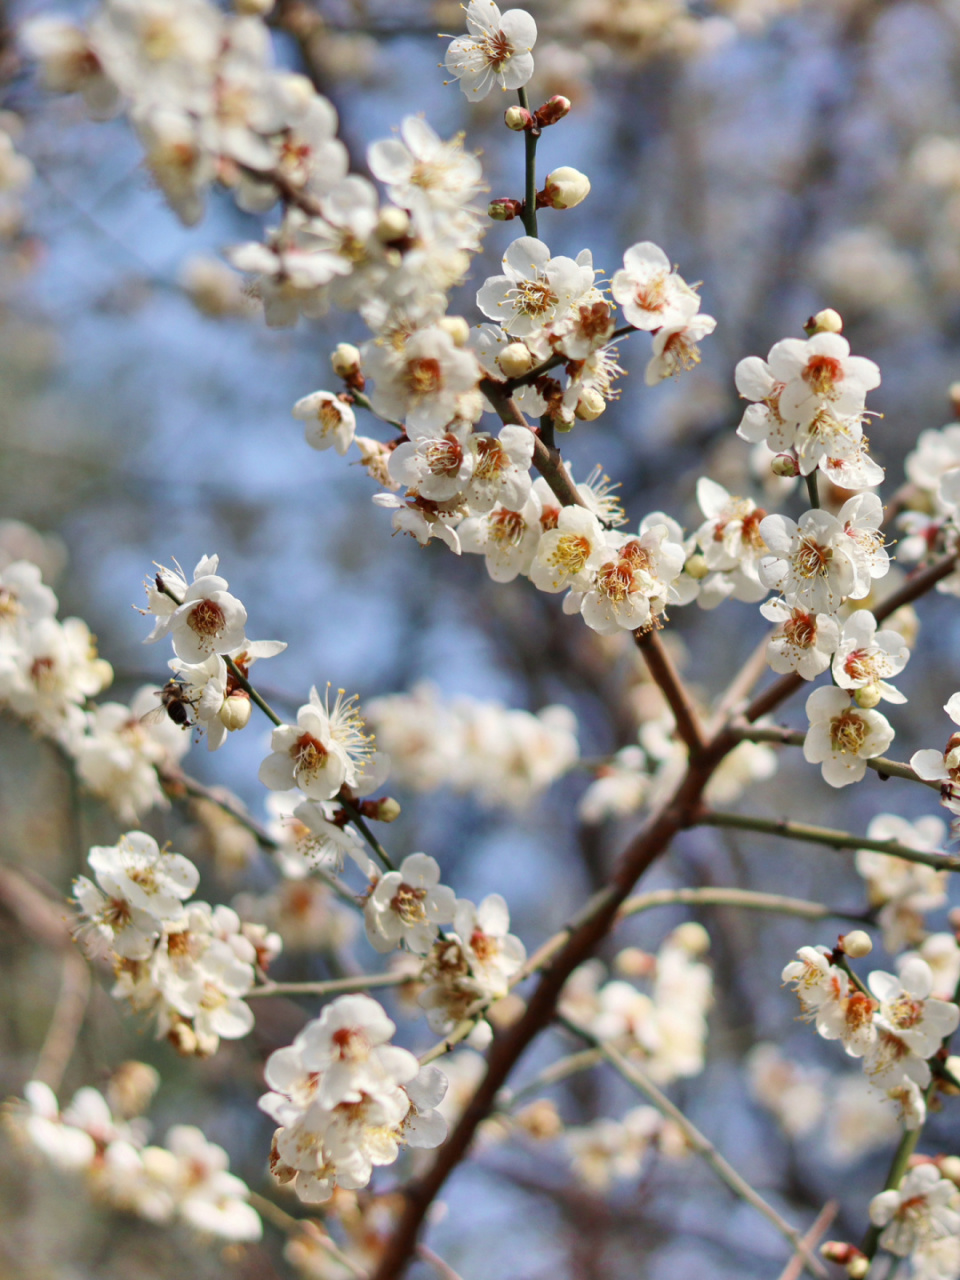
{"x": 444, "y": 457}
{"x": 309, "y": 755}
{"x": 43, "y": 673}
{"x": 506, "y": 528}
{"x": 483, "y": 946}
{"x": 535, "y": 298}
{"x": 822, "y": 374}
{"x": 801, "y": 630}
{"x": 650, "y": 295}
{"x": 571, "y": 552}
{"x": 407, "y": 902}
{"x": 812, "y": 560}
{"x": 423, "y": 376}
{"x": 206, "y": 619}
{"x": 848, "y": 732}
{"x": 615, "y": 581}
{"x": 350, "y": 1044}
{"x": 491, "y": 458}
{"x": 496, "y": 49}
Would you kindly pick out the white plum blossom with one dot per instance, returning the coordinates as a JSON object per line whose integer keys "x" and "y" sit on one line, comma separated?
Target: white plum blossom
{"x": 864, "y": 657}
{"x": 827, "y": 997}
{"x": 842, "y": 736}
{"x": 803, "y": 642}
{"x": 535, "y": 288}
{"x": 635, "y": 584}
{"x": 650, "y": 292}
{"x": 569, "y": 554}
{"x": 904, "y": 890}
{"x": 814, "y": 563}
{"x": 762, "y": 422}
{"x": 493, "y": 953}
{"x": 675, "y": 345}
{"x": 421, "y": 382}
{"x": 500, "y": 474}
{"x": 201, "y": 618}
{"x": 423, "y": 173}
{"x": 437, "y": 467}
{"x": 212, "y": 1200}
{"x": 138, "y": 873}
{"x": 408, "y": 906}
{"x": 497, "y": 50}
{"x": 507, "y": 538}
{"x": 49, "y": 671}
{"x": 909, "y": 1011}
{"x": 918, "y": 1211}
{"x": 943, "y": 766}
{"x": 330, "y": 421}
{"x": 319, "y": 754}
{"x": 820, "y": 372}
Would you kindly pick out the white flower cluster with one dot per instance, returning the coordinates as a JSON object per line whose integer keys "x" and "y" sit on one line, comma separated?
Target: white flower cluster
{"x": 894, "y": 1027}
{"x": 666, "y": 1028}
{"x": 183, "y": 961}
{"x": 902, "y": 890}
{"x": 608, "y": 1150}
{"x": 944, "y": 766}
{"x": 346, "y": 1100}
{"x": 504, "y": 756}
{"x": 931, "y": 521}
{"x": 49, "y": 673}
{"x": 921, "y": 1220}
{"x": 187, "y": 1178}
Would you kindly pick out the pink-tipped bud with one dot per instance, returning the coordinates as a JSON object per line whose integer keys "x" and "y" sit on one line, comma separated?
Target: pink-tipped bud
{"x": 785, "y": 465}
{"x": 505, "y": 209}
{"x": 387, "y": 810}
{"x": 517, "y": 118}
{"x": 565, "y": 188}
{"x": 553, "y": 110}
{"x": 844, "y": 1255}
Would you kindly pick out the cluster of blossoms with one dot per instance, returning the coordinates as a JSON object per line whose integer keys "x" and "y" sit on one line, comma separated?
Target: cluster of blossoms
{"x": 186, "y": 963}
{"x": 667, "y": 1028}
{"x": 608, "y": 1150}
{"x": 504, "y": 756}
{"x": 106, "y": 1141}
{"x": 894, "y": 1026}
{"x": 49, "y": 674}
{"x": 346, "y": 1100}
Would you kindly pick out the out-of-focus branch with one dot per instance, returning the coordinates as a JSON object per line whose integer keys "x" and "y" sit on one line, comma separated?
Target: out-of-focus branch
{"x": 824, "y": 835}
{"x": 700, "y": 1144}
{"x": 546, "y": 460}
{"x": 335, "y": 986}
{"x": 68, "y": 1015}
{"x": 747, "y": 898}
{"x": 811, "y": 1239}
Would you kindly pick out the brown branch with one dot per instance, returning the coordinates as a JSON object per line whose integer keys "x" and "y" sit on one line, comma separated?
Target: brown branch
{"x": 811, "y": 1239}
{"x": 546, "y": 460}
{"x": 916, "y": 585}
{"x": 673, "y": 689}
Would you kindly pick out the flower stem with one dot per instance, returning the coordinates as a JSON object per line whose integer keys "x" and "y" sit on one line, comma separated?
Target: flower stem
{"x": 812, "y": 490}
{"x": 530, "y": 184}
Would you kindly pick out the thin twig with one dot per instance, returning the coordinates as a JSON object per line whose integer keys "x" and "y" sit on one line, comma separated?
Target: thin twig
{"x": 332, "y": 987}
{"x": 443, "y": 1269}
{"x": 667, "y": 679}
{"x": 795, "y": 738}
{"x": 530, "y": 137}
{"x": 699, "y": 1143}
{"x": 826, "y": 836}
{"x": 818, "y": 1228}
{"x": 68, "y": 1015}
{"x": 750, "y": 899}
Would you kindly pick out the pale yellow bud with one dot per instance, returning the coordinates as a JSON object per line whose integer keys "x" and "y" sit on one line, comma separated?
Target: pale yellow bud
{"x": 235, "y": 712}
{"x": 869, "y": 696}
{"x": 567, "y": 187}
{"x": 253, "y": 8}
{"x": 393, "y": 224}
{"x": 456, "y": 328}
{"x": 954, "y": 396}
{"x": 346, "y": 360}
{"x": 697, "y": 567}
{"x": 506, "y": 1012}
{"x": 856, "y": 944}
{"x": 590, "y": 405}
{"x": 858, "y": 1267}
{"x": 470, "y": 405}
{"x": 950, "y": 1165}
{"x": 515, "y": 359}
{"x": 516, "y": 118}
{"x": 785, "y": 466}
{"x": 298, "y": 89}
{"x": 540, "y": 1119}
{"x": 131, "y": 1088}
{"x": 692, "y": 937}
{"x": 388, "y": 810}
{"x": 826, "y": 321}
{"x": 634, "y": 963}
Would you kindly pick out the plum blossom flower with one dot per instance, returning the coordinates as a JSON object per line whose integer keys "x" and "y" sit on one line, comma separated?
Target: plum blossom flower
{"x": 826, "y": 995}
{"x": 568, "y": 555}
{"x": 330, "y": 421}
{"x": 497, "y": 50}
{"x": 803, "y": 642}
{"x": 865, "y": 656}
{"x": 422, "y": 381}
{"x": 650, "y": 292}
{"x": 917, "y": 1212}
{"x": 634, "y": 585}
{"x": 202, "y": 618}
{"x": 675, "y": 345}
{"x": 908, "y": 1011}
{"x": 842, "y": 736}
{"x": 508, "y": 538}
{"x": 422, "y": 172}
{"x": 535, "y": 287}
{"x": 813, "y": 563}
{"x": 820, "y": 372}
{"x": 943, "y": 766}
{"x": 320, "y": 753}
{"x": 137, "y": 873}
{"x": 493, "y": 953}
{"x": 762, "y": 422}
{"x": 437, "y": 467}
{"x": 409, "y": 905}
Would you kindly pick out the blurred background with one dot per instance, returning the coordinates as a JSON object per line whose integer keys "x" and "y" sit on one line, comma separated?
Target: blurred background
{"x": 791, "y": 156}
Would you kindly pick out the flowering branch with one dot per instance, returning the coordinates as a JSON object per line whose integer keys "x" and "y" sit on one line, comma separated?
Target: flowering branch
{"x": 668, "y": 679}
{"x": 334, "y": 987}
{"x": 530, "y": 137}
{"x": 698, "y": 1142}
{"x": 748, "y": 898}
{"x": 794, "y": 738}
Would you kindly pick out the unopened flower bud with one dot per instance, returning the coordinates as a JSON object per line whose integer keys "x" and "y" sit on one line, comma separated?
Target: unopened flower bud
{"x": 826, "y": 321}
{"x": 517, "y": 119}
{"x": 869, "y": 696}
{"x": 515, "y": 359}
{"x": 131, "y": 1088}
{"x": 504, "y": 1013}
{"x": 504, "y": 210}
{"x": 691, "y": 937}
{"x": 540, "y": 1119}
{"x": 856, "y": 944}
{"x": 346, "y": 360}
{"x": 950, "y": 1166}
{"x": 696, "y": 567}
{"x": 253, "y": 8}
{"x": 952, "y": 1065}
{"x": 590, "y": 405}
{"x": 841, "y": 1252}
{"x": 565, "y": 187}
{"x": 388, "y": 810}
{"x": 456, "y": 329}
{"x": 235, "y": 711}
{"x": 785, "y": 465}
{"x": 553, "y": 109}
{"x": 392, "y": 224}
{"x": 858, "y": 1267}
{"x": 634, "y": 963}
{"x": 954, "y": 396}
